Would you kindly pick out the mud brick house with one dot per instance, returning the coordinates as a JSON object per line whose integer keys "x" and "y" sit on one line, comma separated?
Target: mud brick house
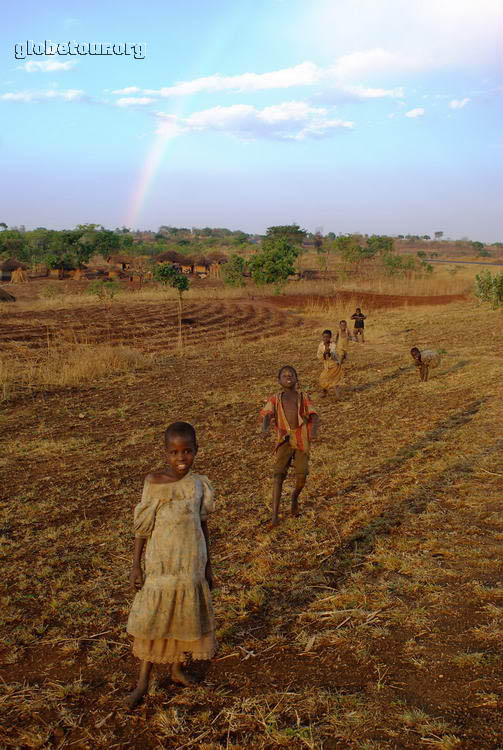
{"x": 9, "y": 266}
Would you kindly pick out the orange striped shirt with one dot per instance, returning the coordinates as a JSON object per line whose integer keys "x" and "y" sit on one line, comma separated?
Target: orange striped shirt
{"x": 300, "y": 436}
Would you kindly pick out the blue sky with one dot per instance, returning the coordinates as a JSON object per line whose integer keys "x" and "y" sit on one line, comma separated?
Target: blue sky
{"x": 337, "y": 114}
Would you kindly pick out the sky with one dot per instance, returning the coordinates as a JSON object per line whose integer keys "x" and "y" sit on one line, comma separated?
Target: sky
{"x": 339, "y": 115}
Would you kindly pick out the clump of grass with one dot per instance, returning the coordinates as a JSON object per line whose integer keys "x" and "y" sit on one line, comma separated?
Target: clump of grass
{"x": 66, "y": 366}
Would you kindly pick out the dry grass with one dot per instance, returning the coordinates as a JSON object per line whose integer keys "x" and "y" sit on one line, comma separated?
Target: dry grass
{"x": 65, "y": 365}
{"x": 370, "y": 622}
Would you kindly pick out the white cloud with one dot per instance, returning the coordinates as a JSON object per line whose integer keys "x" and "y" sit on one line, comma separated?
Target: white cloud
{"x": 304, "y": 74}
{"x": 375, "y": 61}
{"x": 286, "y": 121}
{"x": 417, "y": 112}
{"x": 414, "y": 35}
{"x": 459, "y": 103}
{"x": 69, "y": 95}
{"x": 47, "y": 66}
{"x": 134, "y": 101}
{"x": 127, "y": 90}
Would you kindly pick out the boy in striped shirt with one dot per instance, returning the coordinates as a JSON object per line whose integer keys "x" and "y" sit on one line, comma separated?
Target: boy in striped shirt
{"x": 296, "y": 423}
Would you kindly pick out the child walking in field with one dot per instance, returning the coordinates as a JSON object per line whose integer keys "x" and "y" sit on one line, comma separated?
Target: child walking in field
{"x": 424, "y": 360}
{"x": 359, "y": 319}
{"x": 331, "y": 373}
{"x": 171, "y": 618}
{"x": 296, "y": 423}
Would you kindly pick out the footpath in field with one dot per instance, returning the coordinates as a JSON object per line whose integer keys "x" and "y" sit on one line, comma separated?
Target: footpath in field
{"x": 371, "y": 621}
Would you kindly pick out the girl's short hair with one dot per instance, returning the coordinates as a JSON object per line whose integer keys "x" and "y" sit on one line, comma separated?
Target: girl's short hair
{"x": 288, "y": 367}
{"x": 180, "y": 429}
{"x": 343, "y": 321}
{"x": 327, "y": 330}
{"x": 415, "y": 349}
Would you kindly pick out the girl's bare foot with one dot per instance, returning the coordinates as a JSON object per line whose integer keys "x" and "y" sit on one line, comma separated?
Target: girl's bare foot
{"x": 136, "y": 697}
{"x": 295, "y": 508}
{"x": 181, "y": 677}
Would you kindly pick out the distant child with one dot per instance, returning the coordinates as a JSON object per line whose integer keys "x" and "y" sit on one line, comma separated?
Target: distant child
{"x": 359, "y": 318}
{"x": 296, "y": 423}
{"x": 331, "y": 373}
{"x": 172, "y": 614}
{"x": 424, "y": 360}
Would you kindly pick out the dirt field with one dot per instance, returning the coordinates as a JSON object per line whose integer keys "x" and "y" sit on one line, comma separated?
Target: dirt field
{"x": 372, "y": 621}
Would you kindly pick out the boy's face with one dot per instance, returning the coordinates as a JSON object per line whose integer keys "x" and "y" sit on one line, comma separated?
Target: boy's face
{"x": 180, "y": 454}
{"x": 287, "y": 379}
{"x": 343, "y": 325}
{"x": 416, "y": 355}
{"x": 327, "y": 338}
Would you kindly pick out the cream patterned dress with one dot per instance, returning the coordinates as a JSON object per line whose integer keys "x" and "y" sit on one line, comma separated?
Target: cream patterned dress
{"x": 172, "y": 614}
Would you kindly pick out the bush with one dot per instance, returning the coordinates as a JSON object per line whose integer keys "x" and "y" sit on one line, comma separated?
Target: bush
{"x": 275, "y": 263}
{"x": 489, "y": 288}
{"x": 233, "y": 270}
{"x": 104, "y": 290}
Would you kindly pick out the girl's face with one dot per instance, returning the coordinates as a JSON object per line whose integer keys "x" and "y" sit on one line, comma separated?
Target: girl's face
{"x": 180, "y": 454}
{"x": 343, "y": 325}
{"x": 327, "y": 338}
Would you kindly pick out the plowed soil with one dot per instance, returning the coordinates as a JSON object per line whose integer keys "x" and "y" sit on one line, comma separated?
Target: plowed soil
{"x": 146, "y": 326}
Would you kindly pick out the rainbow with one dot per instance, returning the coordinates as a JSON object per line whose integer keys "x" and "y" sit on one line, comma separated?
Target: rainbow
{"x": 145, "y": 179}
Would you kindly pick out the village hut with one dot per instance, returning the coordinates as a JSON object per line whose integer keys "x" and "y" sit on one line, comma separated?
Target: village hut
{"x": 18, "y": 276}
{"x": 120, "y": 262}
{"x": 6, "y": 296}
{"x": 170, "y": 256}
{"x": 187, "y": 265}
{"x": 77, "y": 275}
{"x": 8, "y": 267}
{"x": 217, "y": 259}
{"x": 201, "y": 266}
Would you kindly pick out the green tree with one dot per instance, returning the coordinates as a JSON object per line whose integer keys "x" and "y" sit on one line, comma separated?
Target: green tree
{"x": 290, "y": 232}
{"x": 274, "y": 263}
{"x": 421, "y": 254}
{"x": 233, "y": 270}
{"x": 169, "y": 275}
{"x": 379, "y": 244}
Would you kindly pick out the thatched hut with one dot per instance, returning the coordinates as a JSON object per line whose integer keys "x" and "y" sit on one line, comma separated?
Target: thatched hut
{"x": 170, "y": 256}
{"x": 201, "y": 266}
{"x": 18, "y": 276}
{"x": 217, "y": 259}
{"x": 6, "y": 296}
{"x": 8, "y": 267}
{"x": 120, "y": 262}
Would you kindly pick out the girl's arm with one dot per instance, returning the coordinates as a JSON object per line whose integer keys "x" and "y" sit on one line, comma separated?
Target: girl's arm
{"x": 209, "y": 571}
{"x": 136, "y": 575}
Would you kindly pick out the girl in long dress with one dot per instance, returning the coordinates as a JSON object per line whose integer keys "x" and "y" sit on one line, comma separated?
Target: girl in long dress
{"x": 171, "y": 618}
{"x": 332, "y": 371}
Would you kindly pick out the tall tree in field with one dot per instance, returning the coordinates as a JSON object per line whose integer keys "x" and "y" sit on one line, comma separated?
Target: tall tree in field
{"x": 169, "y": 275}
{"x": 275, "y": 263}
{"x": 438, "y": 235}
{"x": 291, "y": 232}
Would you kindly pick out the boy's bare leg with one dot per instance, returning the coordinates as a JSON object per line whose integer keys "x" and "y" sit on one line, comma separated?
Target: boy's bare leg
{"x": 141, "y": 688}
{"x": 179, "y": 676}
{"x": 300, "y": 481}
{"x": 276, "y": 497}
{"x": 363, "y": 337}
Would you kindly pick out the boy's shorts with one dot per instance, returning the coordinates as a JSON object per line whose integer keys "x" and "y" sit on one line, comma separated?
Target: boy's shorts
{"x": 287, "y": 456}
